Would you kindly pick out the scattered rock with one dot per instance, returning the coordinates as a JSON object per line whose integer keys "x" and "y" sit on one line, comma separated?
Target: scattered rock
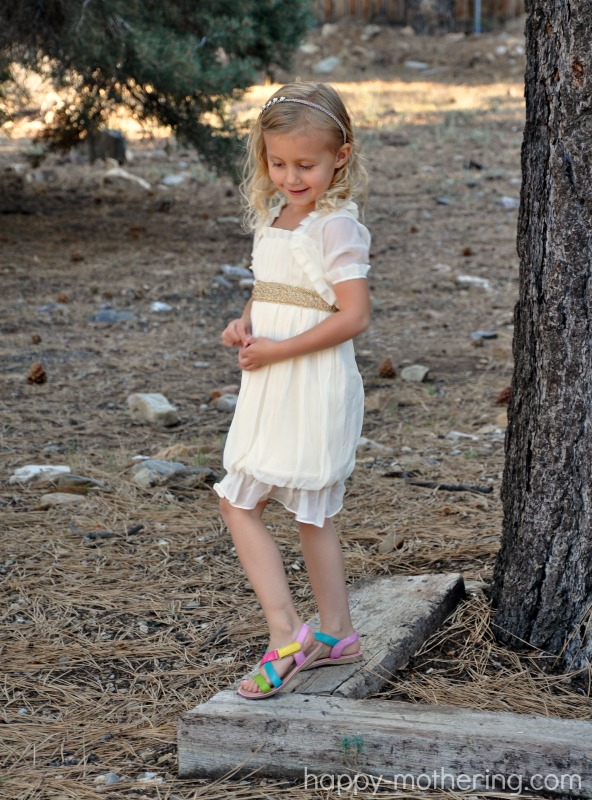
{"x": 509, "y": 203}
{"x": 329, "y": 29}
{"x": 232, "y": 220}
{"x": 159, "y": 307}
{"x": 309, "y": 49}
{"x": 226, "y": 402}
{"x": 177, "y": 451}
{"x": 502, "y": 419}
{"x": 392, "y": 541}
{"x": 473, "y": 280}
{"x": 112, "y": 316}
{"x": 236, "y": 273}
{"x": 417, "y": 65}
{"x": 59, "y": 499}
{"x": 327, "y": 65}
{"x": 455, "y": 436}
{"x": 155, "y": 472}
{"x": 231, "y": 388}
{"x": 173, "y": 180}
{"x": 444, "y": 201}
{"x": 416, "y": 372}
{"x": 483, "y": 335}
{"x": 369, "y": 445}
{"x": 108, "y": 779}
{"x": 33, "y": 472}
{"x": 369, "y": 32}
{"x": 121, "y": 176}
{"x": 153, "y": 408}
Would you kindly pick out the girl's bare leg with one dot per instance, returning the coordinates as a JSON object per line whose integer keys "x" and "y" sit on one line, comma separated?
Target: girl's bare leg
{"x": 263, "y": 566}
{"x": 322, "y": 553}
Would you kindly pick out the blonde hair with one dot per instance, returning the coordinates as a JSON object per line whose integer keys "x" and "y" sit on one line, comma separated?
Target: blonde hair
{"x": 257, "y": 189}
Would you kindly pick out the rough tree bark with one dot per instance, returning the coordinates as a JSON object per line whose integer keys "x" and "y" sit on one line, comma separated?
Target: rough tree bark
{"x": 542, "y": 585}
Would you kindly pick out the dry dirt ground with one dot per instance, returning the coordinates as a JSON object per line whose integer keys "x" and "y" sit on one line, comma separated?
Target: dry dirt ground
{"x": 104, "y": 641}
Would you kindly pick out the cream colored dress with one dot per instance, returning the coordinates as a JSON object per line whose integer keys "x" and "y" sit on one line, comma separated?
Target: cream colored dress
{"x": 297, "y": 423}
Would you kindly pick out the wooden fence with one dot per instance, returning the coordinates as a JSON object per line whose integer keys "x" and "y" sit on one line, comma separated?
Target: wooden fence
{"x": 396, "y": 12}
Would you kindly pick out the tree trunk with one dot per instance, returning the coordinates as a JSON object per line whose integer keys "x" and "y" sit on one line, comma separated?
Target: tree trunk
{"x": 542, "y": 584}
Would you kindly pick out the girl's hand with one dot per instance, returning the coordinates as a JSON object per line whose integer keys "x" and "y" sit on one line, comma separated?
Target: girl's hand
{"x": 259, "y": 352}
{"x": 236, "y": 332}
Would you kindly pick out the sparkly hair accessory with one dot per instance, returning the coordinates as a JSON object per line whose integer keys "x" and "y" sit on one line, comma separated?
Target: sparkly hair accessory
{"x": 275, "y": 100}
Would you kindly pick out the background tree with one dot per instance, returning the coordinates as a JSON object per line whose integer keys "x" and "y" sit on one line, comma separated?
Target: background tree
{"x": 178, "y": 62}
{"x": 543, "y": 575}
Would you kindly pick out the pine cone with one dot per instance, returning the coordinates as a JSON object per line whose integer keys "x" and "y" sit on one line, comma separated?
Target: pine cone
{"x": 503, "y": 397}
{"x": 37, "y": 374}
{"x": 387, "y": 369}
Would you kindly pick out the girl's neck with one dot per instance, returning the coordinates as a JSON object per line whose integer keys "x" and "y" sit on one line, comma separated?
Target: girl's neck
{"x": 291, "y": 216}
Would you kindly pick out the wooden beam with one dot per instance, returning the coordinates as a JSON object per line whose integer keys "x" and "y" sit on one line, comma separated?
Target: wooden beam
{"x": 394, "y": 615}
{"x": 346, "y": 745}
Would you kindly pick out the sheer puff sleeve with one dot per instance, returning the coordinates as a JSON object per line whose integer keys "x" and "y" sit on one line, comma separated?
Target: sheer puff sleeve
{"x": 346, "y": 244}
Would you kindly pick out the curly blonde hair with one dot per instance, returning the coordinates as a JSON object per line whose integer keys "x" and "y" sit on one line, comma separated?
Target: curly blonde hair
{"x": 257, "y": 189}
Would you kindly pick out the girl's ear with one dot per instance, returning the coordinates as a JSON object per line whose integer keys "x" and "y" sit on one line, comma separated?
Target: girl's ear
{"x": 342, "y": 155}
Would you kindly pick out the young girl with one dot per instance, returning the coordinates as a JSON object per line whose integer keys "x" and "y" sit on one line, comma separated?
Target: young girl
{"x": 299, "y": 412}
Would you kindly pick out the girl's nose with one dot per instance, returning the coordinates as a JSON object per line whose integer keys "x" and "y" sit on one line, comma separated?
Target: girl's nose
{"x": 293, "y": 176}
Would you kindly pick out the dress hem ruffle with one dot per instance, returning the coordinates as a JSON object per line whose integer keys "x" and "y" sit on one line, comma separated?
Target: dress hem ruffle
{"x": 310, "y": 507}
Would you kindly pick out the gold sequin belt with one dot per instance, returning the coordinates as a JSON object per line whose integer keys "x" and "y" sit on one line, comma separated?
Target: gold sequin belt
{"x": 270, "y": 292}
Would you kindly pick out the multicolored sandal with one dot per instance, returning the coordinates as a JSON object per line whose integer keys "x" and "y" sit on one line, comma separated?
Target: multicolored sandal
{"x": 274, "y": 683}
{"x": 337, "y": 646}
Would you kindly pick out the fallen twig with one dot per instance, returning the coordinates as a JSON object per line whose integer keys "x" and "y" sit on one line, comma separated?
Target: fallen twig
{"x": 105, "y": 534}
{"x": 443, "y": 487}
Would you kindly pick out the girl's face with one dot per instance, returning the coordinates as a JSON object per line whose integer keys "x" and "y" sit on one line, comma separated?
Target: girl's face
{"x": 301, "y": 165}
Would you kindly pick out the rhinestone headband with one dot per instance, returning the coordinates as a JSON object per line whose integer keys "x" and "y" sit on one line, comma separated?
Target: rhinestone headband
{"x": 275, "y": 100}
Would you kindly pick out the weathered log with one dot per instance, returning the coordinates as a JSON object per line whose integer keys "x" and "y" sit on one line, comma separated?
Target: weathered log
{"x": 333, "y": 742}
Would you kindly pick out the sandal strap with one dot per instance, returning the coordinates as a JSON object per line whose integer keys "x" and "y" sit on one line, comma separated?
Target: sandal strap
{"x": 337, "y": 645}
{"x": 262, "y": 683}
{"x": 281, "y": 652}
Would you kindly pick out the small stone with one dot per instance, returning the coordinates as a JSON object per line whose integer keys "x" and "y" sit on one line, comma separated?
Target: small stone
{"x": 483, "y": 335}
{"x": 509, "y": 203}
{"x": 59, "y": 499}
{"x": 369, "y": 445}
{"x": 236, "y": 273}
{"x": 108, "y": 779}
{"x": 154, "y": 472}
{"x": 232, "y": 220}
{"x": 117, "y": 175}
{"x": 309, "y": 49}
{"x": 442, "y": 267}
{"x": 226, "y": 402}
{"x": 370, "y": 31}
{"x": 201, "y": 364}
{"x": 33, "y": 472}
{"x": 160, "y": 307}
{"x": 175, "y": 451}
{"x": 444, "y": 201}
{"x": 416, "y": 65}
{"x": 329, "y": 29}
{"x": 416, "y": 373}
{"x": 173, "y": 180}
{"x": 153, "y": 408}
{"x": 112, "y": 316}
{"x": 392, "y": 541}
{"x": 473, "y": 280}
{"x": 327, "y": 65}
{"x": 502, "y": 420}
{"x": 231, "y": 388}
{"x": 454, "y": 436}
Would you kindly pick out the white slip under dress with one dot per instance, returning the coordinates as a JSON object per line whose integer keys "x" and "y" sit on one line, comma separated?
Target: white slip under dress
{"x": 297, "y": 423}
